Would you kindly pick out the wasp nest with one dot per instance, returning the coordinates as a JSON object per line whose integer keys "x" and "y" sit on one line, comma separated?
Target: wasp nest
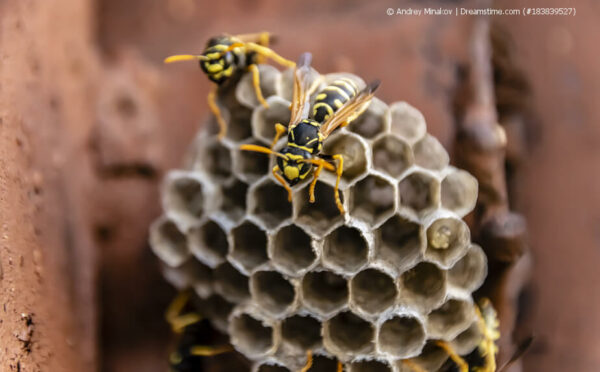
{"x": 371, "y": 288}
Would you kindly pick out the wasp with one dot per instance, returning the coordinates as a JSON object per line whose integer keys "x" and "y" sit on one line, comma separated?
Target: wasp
{"x": 224, "y": 56}
{"x": 187, "y": 356}
{"x": 306, "y": 135}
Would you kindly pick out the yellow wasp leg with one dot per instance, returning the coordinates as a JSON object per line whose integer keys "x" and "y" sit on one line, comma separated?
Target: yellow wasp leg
{"x": 311, "y": 190}
{"x": 309, "y": 361}
{"x": 268, "y": 53}
{"x": 256, "y": 83}
{"x": 282, "y": 181}
{"x": 412, "y": 365}
{"x": 280, "y": 129}
{"x": 339, "y": 170}
{"x": 173, "y": 314}
{"x": 460, "y": 362}
{"x": 214, "y": 107}
{"x": 201, "y": 350}
{"x": 487, "y": 345}
{"x": 340, "y": 367}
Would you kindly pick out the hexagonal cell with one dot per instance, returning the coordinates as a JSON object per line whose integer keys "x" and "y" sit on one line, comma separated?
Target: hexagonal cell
{"x": 217, "y": 309}
{"x": 371, "y": 122}
{"x": 264, "y": 119}
{"x": 459, "y": 192}
{"x": 392, "y": 155}
{"x": 301, "y": 333}
{"x": 320, "y": 216}
{"x": 447, "y": 240}
{"x": 215, "y": 159}
{"x": 208, "y": 242}
{"x": 249, "y": 247}
{"x": 269, "y": 202}
{"x": 245, "y": 92}
{"x": 234, "y": 199}
{"x": 250, "y": 165}
{"x": 239, "y": 122}
{"x": 345, "y": 249}
{"x": 400, "y": 242}
{"x": 370, "y": 366}
{"x": 191, "y": 274}
{"x": 401, "y": 337}
{"x": 168, "y": 243}
{"x": 423, "y": 286}
{"x": 230, "y": 283}
{"x": 353, "y": 151}
{"x": 467, "y": 340}
{"x": 372, "y": 291}
{"x": 251, "y": 336}
{"x": 291, "y": 250}
{"x": 372, "y": 199}
{"x": 271, "y": 291}
{"x": 419, "y": 192}
{"x": 429, "y": 153}
{"x": 185, "y": 196}
{"x": 272, "y": 368}
{"x": 470, "y": 271}
{"x": 324, "y": 292}
{"x": 450, "y": 319}
{"x": 432, "y": 358}
{"x": 407, "y": 122}
{"x": 347, "y": 333}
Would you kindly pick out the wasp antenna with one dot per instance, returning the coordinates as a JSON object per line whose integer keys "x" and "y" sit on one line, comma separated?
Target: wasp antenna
{"x": 264, "y": 150}
{"x": 184, "y": 57}
{"x": 304, "y": 60}
{"x": 373, "y": 85}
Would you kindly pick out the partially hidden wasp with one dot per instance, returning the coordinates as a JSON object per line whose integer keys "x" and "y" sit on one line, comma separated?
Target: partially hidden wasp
{"x": 224, "y": 56}
{"x": 306, "y": 135}
{"x": 187, "y": 356}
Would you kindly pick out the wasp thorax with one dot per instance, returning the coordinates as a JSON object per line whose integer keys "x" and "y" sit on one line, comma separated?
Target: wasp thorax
{"x": 306, "y": 136}
{"x": 292, "y": 164}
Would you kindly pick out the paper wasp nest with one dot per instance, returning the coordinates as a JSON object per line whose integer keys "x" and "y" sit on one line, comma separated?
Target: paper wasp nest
{"x": 370, "y": 288}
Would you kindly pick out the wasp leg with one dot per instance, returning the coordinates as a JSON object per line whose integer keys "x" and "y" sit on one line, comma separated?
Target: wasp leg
{"x": 487, "y": 345}
{"x": 280, "y": 129}
{"x": 460, "y": 362}
{"x": 309, "y": 361}
{"x": 214, "y": 107}
{"x": 202, "y": 350}
{"x": 256, "y": 83}
{"x": 282, "y": 182}
{"x": 311, "y": 189}
{"x": 340, "y": 367}
{"x": 173, "y": 314}
{"x": 412, "y": 365}
{"x": 339, "y": 169}
{"x": 268, "y": 53}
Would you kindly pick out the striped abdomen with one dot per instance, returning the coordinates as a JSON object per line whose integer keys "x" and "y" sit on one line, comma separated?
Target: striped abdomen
{"x": 332, "y": 97}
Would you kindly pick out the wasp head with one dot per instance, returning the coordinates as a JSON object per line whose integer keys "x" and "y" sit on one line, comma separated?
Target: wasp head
{"x": 292, "y": 164}
{"x": 216, "y": 62}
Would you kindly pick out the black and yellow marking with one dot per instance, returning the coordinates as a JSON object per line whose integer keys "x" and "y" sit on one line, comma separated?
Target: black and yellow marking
{"x": 332, "y": 97}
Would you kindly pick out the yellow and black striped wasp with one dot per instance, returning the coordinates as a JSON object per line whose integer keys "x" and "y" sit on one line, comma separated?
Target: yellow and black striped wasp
{"x": 188, "y": 355}
{"x": 224, "y": 56}
{"x": 306, "y": 135}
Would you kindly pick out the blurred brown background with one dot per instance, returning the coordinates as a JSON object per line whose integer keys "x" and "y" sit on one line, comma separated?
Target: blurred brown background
{"x": 90, "y": 120}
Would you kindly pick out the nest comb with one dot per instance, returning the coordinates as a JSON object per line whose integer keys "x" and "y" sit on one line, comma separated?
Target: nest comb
{"x": 369, "y": 288}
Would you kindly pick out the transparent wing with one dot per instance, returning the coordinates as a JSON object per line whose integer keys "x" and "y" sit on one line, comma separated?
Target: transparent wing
{"x": 302, "y": 89}
{"x": 350, "y": 109}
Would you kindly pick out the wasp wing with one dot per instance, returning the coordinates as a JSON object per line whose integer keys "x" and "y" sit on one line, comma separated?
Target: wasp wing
{"x": 302, "y": 89}
{"x": 351, "y": 109}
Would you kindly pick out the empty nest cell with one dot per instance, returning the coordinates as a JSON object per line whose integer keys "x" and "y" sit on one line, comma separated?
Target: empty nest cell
{"x": 353, "y": 151}
{"x": 371, "y": 122}
{"x": 372, "y": 199}
{"x": 447, "y": 240}
{"x": 459, "y": 192}
{"x": 372, "y": 291}
{"x": 407, "y": 122}
{"x": 347, "y": 333}
{"x": 230, "y": 283}
{"x": 453, "y": 317}
{"x": 185, "y": 197}
{"x": 401, "y": 337}
{"x": 169, "y": 243}
{"x": 391, "y": 155}
{"x": 239, "y": 125}
{"x": 423, "y": 286}
{"x": 291, "y": 250}
{"x": 272, "y": 368}
{"x": 322, "y": 363}
{"x": 249, "y": 246}
{"x": 245, "y": 92}
{"x": 470, "y": 271}
{"x": 191, "y": 274}
{"x": 216, "y": 160}
{"x": 208, "y": 242}
{"x": 271, "y": 291}
{"x": 251, "y": 336}
{"x": 250, "y": 165}
{"x": 301, "y": 333}
{"x": 322, "y": 215}
{"x": 345, "y": 249}
{"x": 264, "y": 119}
{"x": 234, "y": 199}
{"x": 269, "y": 202}
{"x": 217, "y": 309}
{"x": 400, "y": 242}
{"x": 324, "y": 291}
{"x": 418, "y": 192}
{"x": 429, "y": 153}
{"x": 370, "y": 366}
